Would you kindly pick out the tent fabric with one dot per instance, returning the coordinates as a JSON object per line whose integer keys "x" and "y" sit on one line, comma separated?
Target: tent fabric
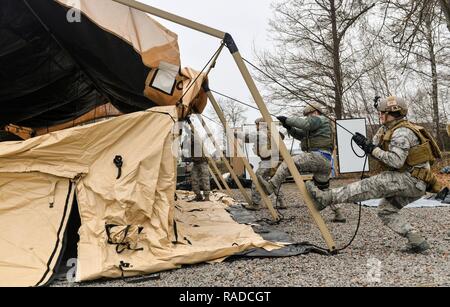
{"x": 55, "y": 69}
{"x": 130, "y": 223}
{"x": 33, "y": 215}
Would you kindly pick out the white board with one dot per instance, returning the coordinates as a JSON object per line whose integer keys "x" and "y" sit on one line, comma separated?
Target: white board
{"x": 348, "y": 161}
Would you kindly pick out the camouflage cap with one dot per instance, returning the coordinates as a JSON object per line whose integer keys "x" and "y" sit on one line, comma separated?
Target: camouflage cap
{"x": 315, "y": 106}
{"x": 259, "y": 120}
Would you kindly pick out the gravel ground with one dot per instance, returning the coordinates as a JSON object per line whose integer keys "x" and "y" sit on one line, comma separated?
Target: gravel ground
{"x": 374, "y": 258}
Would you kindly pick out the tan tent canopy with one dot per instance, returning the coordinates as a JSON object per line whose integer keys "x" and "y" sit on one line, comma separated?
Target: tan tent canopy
{"x": 127, "y": 216}
{"x": 60, "y": 62}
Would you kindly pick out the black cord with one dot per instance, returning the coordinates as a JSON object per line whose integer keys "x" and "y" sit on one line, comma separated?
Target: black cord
{"x": 359, "y": 214}
{"x": 198, "y": 76}
{"x": 239, "y": 101}
{"x": 212, "y": 120}
{"x": 356, "y": 154}
{"x": 337, "y": 124}
{"x": 290, "y": 91}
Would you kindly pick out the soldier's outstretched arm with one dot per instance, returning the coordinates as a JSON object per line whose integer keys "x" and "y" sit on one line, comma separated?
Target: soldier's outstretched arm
{"x": 296, "y": 133}
{"x": 305, "y": 124}
{"x": 399, "y": 147}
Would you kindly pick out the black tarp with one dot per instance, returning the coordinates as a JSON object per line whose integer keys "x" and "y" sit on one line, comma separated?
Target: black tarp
{"x": 52, "y": 71}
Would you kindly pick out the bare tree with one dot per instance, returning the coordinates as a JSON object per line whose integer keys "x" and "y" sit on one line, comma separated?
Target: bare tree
{"x": 233, "y": 111}
{"x": 445, "y": 4}
{"x": 416, "y": 28}
{"x": 312, "y": 55}
{"x": 234, "y": 115}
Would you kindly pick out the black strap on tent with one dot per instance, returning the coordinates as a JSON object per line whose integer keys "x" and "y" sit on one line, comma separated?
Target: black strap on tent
{"x": 118, "y": 162}
{"x": 125, "y": 266}
{"x": 122, "y": 245}
{"x": 175, "y": 231}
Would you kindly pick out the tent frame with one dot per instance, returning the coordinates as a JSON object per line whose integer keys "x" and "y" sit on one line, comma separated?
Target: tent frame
{"x": 229, "y": 42}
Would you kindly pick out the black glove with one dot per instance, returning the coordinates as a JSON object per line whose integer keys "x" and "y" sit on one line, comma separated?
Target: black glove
{"x": 442, "y": 195}
{"x": 363, "y": 142}
{"x": 283, "y": 120}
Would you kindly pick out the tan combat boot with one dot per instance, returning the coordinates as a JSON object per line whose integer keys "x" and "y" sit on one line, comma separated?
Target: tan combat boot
{"x": 321, "y": 199}
{"x": 207, "y": 197}
{"x": 416, "y": 243}
{"x": 338, "y": 217}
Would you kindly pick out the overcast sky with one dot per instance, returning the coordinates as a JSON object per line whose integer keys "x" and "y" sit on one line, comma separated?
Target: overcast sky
{"x": 246, "y": 20}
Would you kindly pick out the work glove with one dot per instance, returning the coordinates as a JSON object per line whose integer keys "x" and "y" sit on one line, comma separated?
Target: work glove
{"x": 283, "y": 120}
{"x": 442, "y": 195}
{"x": 363, "y": 143}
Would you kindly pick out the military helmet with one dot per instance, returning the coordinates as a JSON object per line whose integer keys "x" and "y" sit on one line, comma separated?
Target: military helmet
{"x": 315, "y": 106}
{"x": 259, "y": 120}
{"x": 393, "y": 104}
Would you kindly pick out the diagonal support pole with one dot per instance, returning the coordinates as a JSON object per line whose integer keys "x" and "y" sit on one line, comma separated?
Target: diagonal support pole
{"x": 282, "y": 147}
{"x": 227, "y": 164}
{"x": 213, "y": 175}
{"x": 240, "y": 153}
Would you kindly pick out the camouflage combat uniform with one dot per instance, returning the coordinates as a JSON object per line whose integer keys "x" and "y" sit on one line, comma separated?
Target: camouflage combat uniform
{"x": 317, "y": 143}
{"x": 200, "y": 177}
{"x": 396, "y": 188}
{"x": 268, "y": 163}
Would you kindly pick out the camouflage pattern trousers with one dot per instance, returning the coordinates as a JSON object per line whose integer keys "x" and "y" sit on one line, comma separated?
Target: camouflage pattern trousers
{"x": 396, "y": 190}
{"x": 200, "y": 178}
{"x": 306, "y": 162}
{"x": 265, "y": 171}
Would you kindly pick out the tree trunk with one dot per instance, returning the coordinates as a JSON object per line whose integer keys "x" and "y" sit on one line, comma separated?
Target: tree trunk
{"x": 445, "y": 4}
{"x": 434, "y": 77}
{"x": 336, "y": 63}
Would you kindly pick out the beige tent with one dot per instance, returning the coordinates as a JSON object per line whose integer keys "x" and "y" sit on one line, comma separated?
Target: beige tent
{"x": 127, "y": 224}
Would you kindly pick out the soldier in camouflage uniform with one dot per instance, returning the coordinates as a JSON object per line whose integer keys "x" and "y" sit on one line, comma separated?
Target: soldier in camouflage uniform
{"x": 405, "y": 150}
{"x": 316, "y": 135}
{"x": 269, "y": 162}
{"x": 200, "y": 178}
